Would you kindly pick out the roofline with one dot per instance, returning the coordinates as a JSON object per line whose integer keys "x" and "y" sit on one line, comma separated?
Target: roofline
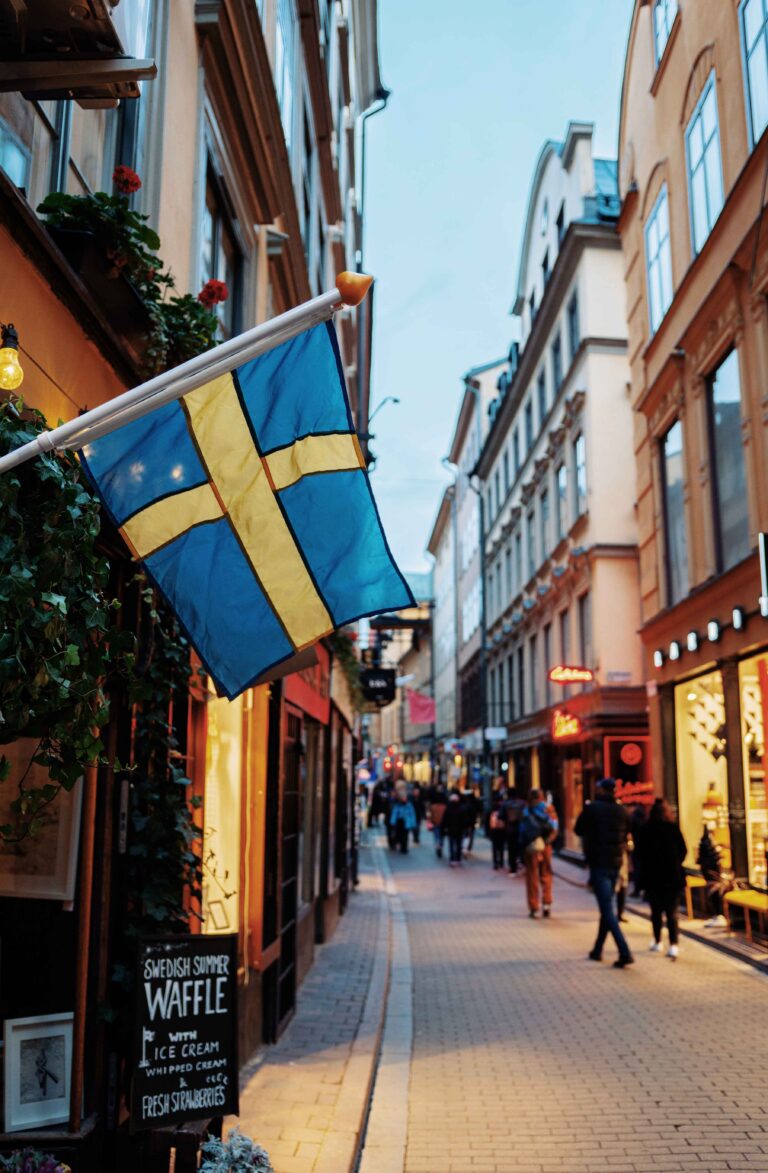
{"x": 442, "y": 516}
{"x": 486, "y": 366}
{"x": 638, "y": 4}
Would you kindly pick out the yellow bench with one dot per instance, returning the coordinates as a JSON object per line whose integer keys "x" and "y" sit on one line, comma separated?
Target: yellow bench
{"x": 751, "y": 902}
{"x": 692, "y": 882}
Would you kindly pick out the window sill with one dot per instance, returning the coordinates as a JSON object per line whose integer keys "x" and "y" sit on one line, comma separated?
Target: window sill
{"x": 662, "y": 65}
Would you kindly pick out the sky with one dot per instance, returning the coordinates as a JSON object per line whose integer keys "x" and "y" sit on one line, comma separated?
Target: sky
{"x": 476, "y": 91}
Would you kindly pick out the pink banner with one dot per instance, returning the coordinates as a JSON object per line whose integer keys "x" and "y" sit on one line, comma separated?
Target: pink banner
{"x": 421, "y": 708}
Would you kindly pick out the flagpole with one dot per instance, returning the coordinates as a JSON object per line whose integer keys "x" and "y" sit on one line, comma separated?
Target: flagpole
{"x": 350, "y": 290}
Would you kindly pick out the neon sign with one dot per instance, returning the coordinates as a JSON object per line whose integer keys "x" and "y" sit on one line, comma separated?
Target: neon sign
{"x": 564, "y": 725}
{"x": 568, "y": 674}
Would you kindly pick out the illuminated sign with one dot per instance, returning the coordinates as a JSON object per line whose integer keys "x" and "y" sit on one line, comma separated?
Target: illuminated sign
{"x": 564, "y": 725}
{"x": 568, "y": 674}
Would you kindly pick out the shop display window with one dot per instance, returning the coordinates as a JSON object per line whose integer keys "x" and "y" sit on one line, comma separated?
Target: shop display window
{"x": 221, "y": 824}
{"x": 753, "y": 687}
{"x": 702, "y": 772}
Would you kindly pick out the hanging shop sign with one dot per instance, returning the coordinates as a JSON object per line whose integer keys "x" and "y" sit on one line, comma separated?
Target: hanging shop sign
{"x": 570, "y": 674}
{"x": 628, "y": 760}
{"x": 565, "y": 725}
{"x": 185, "y": 1031}
{"x": 378, "y": 685}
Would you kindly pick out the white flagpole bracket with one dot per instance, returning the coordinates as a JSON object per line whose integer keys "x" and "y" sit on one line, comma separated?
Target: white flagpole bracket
{"x": 164, "y": 388}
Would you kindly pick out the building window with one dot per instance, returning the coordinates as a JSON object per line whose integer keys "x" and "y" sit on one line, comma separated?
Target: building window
{"x": 529, "y": 425}
{"x": 565, "y": 644}
{"x": 664, "y": 13}
{"x": 521, "y": 681}
{"x": 542, "y": 393}
{"x": 497, "y": 483}
{"x": 561, "y": 501}
{"x": 531, "y": 544}
{"x": 511, "y": 686}
{"x": 285, "y": 53}
{"x": 518, "y": 561}
{"x": 659, "y": 260}
{"x": 754, "y": 32}
{"x": 534, "y": 672}
{"x": 545, "y": 269}
{"x": 580, "y": 475}
{"x": 547, "y": 650}
{"x": 307, "y": 203}
{"x": 491, "y": 607}
{"x": 729, "y": 481}
{"x": 585, "y": 630}
{"x": 544, "y": 523}
{"x": 532, "y": 307}
{"x": 675, "y": 538}
{"x": 516, "y": 451}
{"x": 508, "y": 569}
{"x": 557, "y": 364}
{"x": 573, "y": 326}
{"x": 489, "y": 505}
{"x": 219, "y": 253}
{"x": 705, "y": 177}
{"x": 505, "y": 466}
{"x": 561, "y": 224}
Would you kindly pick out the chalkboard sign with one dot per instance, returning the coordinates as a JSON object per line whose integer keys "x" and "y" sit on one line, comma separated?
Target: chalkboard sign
{"x": 185, "y": 1065}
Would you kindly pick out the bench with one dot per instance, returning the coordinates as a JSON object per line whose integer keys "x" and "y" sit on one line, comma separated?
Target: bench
{"x": 692, "y": 882}
{"x": 751, "y": 902}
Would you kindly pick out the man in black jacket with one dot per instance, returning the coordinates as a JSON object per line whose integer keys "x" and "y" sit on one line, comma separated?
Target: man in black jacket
{"x": 603, "y": 826}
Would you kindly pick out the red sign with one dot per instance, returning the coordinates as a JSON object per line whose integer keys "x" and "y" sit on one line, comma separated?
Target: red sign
{"x": 564, "y": 725}
{"x": 631, "y": 754}
{"x": 569, "y": 674}
{"x": 628, "y": 760}
{"x": 310, "y": 689}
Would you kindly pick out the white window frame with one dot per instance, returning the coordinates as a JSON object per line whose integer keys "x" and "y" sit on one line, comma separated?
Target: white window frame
{"x": 709, "y": 86}
{"x": 667, "y": 10}
{"x": 654, "y": 263}
{"x": 762, "y": 36}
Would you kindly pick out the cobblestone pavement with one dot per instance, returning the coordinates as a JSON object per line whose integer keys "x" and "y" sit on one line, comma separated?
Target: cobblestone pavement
{"x": 528, "y": 1058}
{"x": 306, "y": 1098}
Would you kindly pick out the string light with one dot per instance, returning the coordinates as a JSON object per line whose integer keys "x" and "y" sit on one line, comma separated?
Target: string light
{"x": 11, "y": 374}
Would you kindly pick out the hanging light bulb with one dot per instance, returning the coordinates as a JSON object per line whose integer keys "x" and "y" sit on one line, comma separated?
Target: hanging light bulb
{"x": 11, "y": 374}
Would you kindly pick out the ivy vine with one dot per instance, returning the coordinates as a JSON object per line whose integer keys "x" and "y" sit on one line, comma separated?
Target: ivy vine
{"x": 58, "y": 641}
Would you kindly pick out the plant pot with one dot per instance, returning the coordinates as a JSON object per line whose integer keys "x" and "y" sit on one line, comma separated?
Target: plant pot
{"x": 116, "y": 296}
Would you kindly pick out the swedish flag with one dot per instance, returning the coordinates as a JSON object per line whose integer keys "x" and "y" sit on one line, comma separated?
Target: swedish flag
{"x": 249, "y": 504}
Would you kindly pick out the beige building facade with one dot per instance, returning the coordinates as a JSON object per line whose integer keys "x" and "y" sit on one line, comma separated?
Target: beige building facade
{"x": 561, "y": 564}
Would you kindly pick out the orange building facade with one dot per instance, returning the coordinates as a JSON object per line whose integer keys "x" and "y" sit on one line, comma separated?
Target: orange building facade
{"x": 693, "y": 162}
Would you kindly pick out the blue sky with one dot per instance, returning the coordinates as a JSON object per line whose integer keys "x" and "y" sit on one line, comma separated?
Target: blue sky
{"x": 477, "y": 88}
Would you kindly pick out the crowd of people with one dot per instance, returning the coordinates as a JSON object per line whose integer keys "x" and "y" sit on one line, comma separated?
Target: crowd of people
{"x": 621, "y": 845}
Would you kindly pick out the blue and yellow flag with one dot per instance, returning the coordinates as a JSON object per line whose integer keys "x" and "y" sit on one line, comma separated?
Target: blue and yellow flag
{"x": 249, "y": 504}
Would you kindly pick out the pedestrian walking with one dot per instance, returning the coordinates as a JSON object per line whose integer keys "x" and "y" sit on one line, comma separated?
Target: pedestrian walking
{"x": 512, "y": 809}
{"x": 438, "y": 800}
{"x": 710, "y": 859}
{"x": 470, "y": 805}
{"x": 637, "y": 821}
{"x": 402, "y": 819}
{"x": 603, "y": 827}
{"x": 454, "y": 824}
{"x": 662, "y": 851}
{"x": 419, "y": 809}
{"x": 497, "y": 830}
{"x": 538, "y": 829}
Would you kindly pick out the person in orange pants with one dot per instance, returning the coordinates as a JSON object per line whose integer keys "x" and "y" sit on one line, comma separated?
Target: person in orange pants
{"x": 538, "y": 828}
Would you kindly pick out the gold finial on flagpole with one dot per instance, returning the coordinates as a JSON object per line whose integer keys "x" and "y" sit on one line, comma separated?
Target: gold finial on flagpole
{"x": 353, "y": 287}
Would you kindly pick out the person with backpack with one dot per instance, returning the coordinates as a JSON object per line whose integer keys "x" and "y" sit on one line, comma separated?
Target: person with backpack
{"x": 512, "y": 809}
{"x": 538, "y": 829}
{"x": 497, "y": 829}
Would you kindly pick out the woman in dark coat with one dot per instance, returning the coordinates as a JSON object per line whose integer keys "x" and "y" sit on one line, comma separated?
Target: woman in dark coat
{"x": 662, "y": 850}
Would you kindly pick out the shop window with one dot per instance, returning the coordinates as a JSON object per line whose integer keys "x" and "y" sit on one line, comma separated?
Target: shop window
{"x": 754, "y": 36}
{"x": 675, "y": 539}
{"x": 705, "y": 177}
{"x": 219, "y": 253}
{"x": 561, "y": 501}
{"x": 753, "y": 685}
{"x": 221, "y": 820}
{"x": 658, "y": 259}
{"x": 702, "y": 772}
{"x": 729, "y": 480}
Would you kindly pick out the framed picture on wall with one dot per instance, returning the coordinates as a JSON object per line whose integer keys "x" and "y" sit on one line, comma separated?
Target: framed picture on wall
{"x": 37, "y": 1066}
{"x": 42, "y": 866}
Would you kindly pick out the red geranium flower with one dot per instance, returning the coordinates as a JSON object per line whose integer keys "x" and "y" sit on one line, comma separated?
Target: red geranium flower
{"x": 125, "y": 180}
{"x": 212, "y": 293}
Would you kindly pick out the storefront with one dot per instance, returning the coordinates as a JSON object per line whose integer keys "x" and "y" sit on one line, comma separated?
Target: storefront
{"x": 708, "y": 700}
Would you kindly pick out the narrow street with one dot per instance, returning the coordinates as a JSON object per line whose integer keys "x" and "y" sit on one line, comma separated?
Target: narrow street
{"x": 525, "y": 1057}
